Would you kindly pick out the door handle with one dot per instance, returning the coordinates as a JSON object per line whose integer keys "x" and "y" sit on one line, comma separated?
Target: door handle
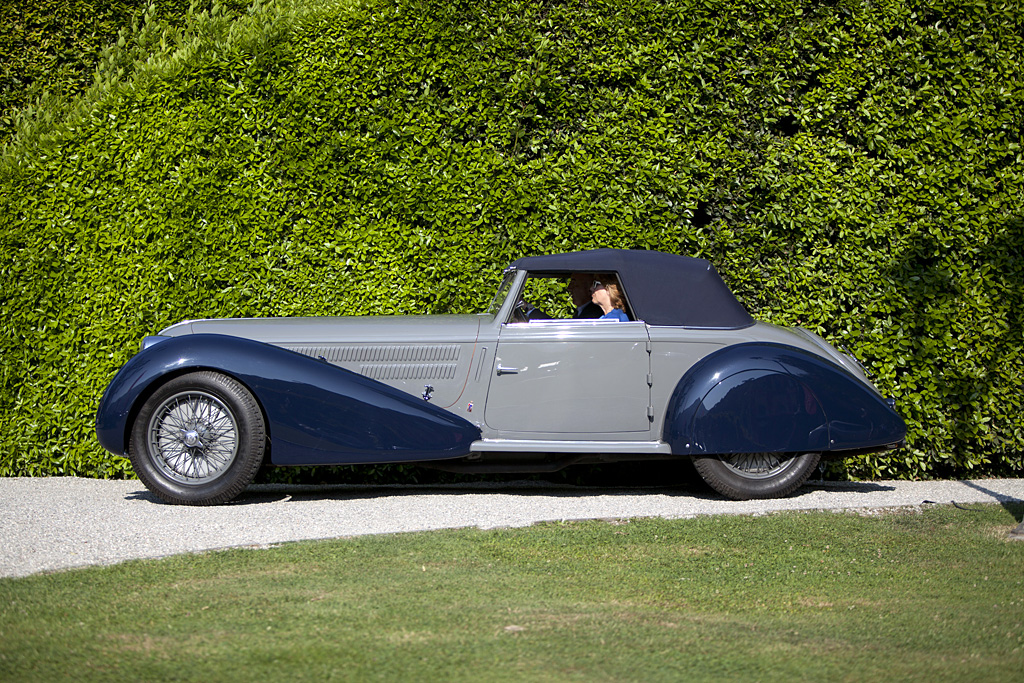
{"x": 502, "y": 370}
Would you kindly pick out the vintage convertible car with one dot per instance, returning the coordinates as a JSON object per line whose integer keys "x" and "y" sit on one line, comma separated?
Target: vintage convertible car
{"x": 689, "y": 375}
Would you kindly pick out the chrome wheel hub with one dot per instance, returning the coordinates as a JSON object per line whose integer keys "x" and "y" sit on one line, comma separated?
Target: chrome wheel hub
{"x": 190, "y": 438}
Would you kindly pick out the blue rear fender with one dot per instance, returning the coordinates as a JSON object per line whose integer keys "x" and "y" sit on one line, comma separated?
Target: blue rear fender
{"x": 771, "y": 398}
{"x": 317, "y": 413}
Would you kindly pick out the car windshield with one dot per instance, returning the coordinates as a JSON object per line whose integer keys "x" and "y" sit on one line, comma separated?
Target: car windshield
{"x": 499, "y": 296}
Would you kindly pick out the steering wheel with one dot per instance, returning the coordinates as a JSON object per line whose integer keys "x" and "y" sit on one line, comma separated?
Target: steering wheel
{"x": 521, "y": 312}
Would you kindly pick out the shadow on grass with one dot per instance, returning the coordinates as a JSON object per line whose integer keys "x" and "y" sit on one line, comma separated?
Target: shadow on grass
{"x": 1011, "y": 505}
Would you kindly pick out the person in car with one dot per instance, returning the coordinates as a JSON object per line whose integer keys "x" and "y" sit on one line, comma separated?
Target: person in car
{"x": 605, "y": 293}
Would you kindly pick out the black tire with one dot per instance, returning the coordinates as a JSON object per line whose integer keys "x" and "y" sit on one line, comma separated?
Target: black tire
{"x": 198, "y": 440}
{"x": 746, "y": 476}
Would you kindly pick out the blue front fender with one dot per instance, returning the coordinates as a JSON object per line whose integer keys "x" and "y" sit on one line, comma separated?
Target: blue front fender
{"x": 764, "y": 397}
{"x": 317, "y": 413}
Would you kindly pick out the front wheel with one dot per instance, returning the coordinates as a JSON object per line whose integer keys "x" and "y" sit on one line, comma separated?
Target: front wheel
{"x": 198, "y": 440}
{"x": 744, "y": 476}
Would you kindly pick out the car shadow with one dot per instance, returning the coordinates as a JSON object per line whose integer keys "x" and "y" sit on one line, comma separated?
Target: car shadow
{"x": 846, "y": 486}
{"x": 262, "y": 494}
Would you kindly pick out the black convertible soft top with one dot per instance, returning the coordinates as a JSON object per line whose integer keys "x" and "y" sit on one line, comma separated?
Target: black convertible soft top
{"x": 663, "y": 289}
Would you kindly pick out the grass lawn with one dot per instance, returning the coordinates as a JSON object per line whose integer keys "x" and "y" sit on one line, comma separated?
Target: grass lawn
{"x": 929, "y": 594}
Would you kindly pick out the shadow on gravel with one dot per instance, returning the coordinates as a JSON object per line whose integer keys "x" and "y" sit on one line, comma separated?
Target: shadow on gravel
{"x": 142, "y": 494}
{"x": 262, "y": 494}
{"x": 846, "y": 486}
{"x": 677, "y": 478}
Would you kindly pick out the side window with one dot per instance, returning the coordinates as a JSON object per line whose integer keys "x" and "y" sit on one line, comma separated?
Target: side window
{"x": 560, "y": 298}
{"x": 543, "y": 298}
{"x": 548, "y": 294}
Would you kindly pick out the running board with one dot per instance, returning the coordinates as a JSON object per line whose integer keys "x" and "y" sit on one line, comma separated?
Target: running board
{"x": 552, "y": 446}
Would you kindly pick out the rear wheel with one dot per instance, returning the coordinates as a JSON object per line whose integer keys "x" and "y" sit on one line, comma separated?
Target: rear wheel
{"x": 744, "y": 476}
{"x": 198, "y": 440}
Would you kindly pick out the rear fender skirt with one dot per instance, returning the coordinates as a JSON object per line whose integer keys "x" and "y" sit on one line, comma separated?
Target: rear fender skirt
{"x": 317, "y": 413}
{"x": 771, "y": 398}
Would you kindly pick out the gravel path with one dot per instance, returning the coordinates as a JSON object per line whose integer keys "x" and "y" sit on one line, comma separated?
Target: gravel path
{"x": 58, "y": 523}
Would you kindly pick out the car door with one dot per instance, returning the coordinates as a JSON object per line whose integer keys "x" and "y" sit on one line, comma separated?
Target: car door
{"x": 570, "y": 379}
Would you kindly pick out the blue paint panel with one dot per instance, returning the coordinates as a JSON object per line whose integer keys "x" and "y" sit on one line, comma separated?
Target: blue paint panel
{"x": 317, "y": 413}
{"x": 764, "y": 397}
{"x": 760, "y": 411}
{"x": 858, "y": 417}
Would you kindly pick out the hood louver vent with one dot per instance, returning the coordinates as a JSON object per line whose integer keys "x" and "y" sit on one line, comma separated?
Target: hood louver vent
{"x": 393, "y": 361}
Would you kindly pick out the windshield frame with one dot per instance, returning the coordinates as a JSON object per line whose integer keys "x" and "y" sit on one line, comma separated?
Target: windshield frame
{"x": 508, "y": 276}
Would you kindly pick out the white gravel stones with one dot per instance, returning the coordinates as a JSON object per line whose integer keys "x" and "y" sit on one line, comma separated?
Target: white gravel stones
{"x": 58, "y": 523}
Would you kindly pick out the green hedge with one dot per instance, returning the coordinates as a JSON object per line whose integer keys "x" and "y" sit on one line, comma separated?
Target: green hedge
{"x": 851, "y": 166}
{"x": 49, "y": 48}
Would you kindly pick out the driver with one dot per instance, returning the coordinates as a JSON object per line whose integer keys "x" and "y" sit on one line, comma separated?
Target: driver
{"x": 579, "y": 289}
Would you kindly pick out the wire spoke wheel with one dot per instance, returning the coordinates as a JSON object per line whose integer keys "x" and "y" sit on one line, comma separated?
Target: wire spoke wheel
{"x": 194, "y": 437}
{"x": 758, "y": 465}
{"x": 199, "y": 439}
{"x": 744, "y": 476}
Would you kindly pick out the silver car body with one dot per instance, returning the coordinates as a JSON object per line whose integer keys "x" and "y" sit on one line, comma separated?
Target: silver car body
{"x": 563, "y": 385}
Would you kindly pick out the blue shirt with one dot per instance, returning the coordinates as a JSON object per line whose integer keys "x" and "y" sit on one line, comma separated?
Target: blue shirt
{"x": 616, "y": 314}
